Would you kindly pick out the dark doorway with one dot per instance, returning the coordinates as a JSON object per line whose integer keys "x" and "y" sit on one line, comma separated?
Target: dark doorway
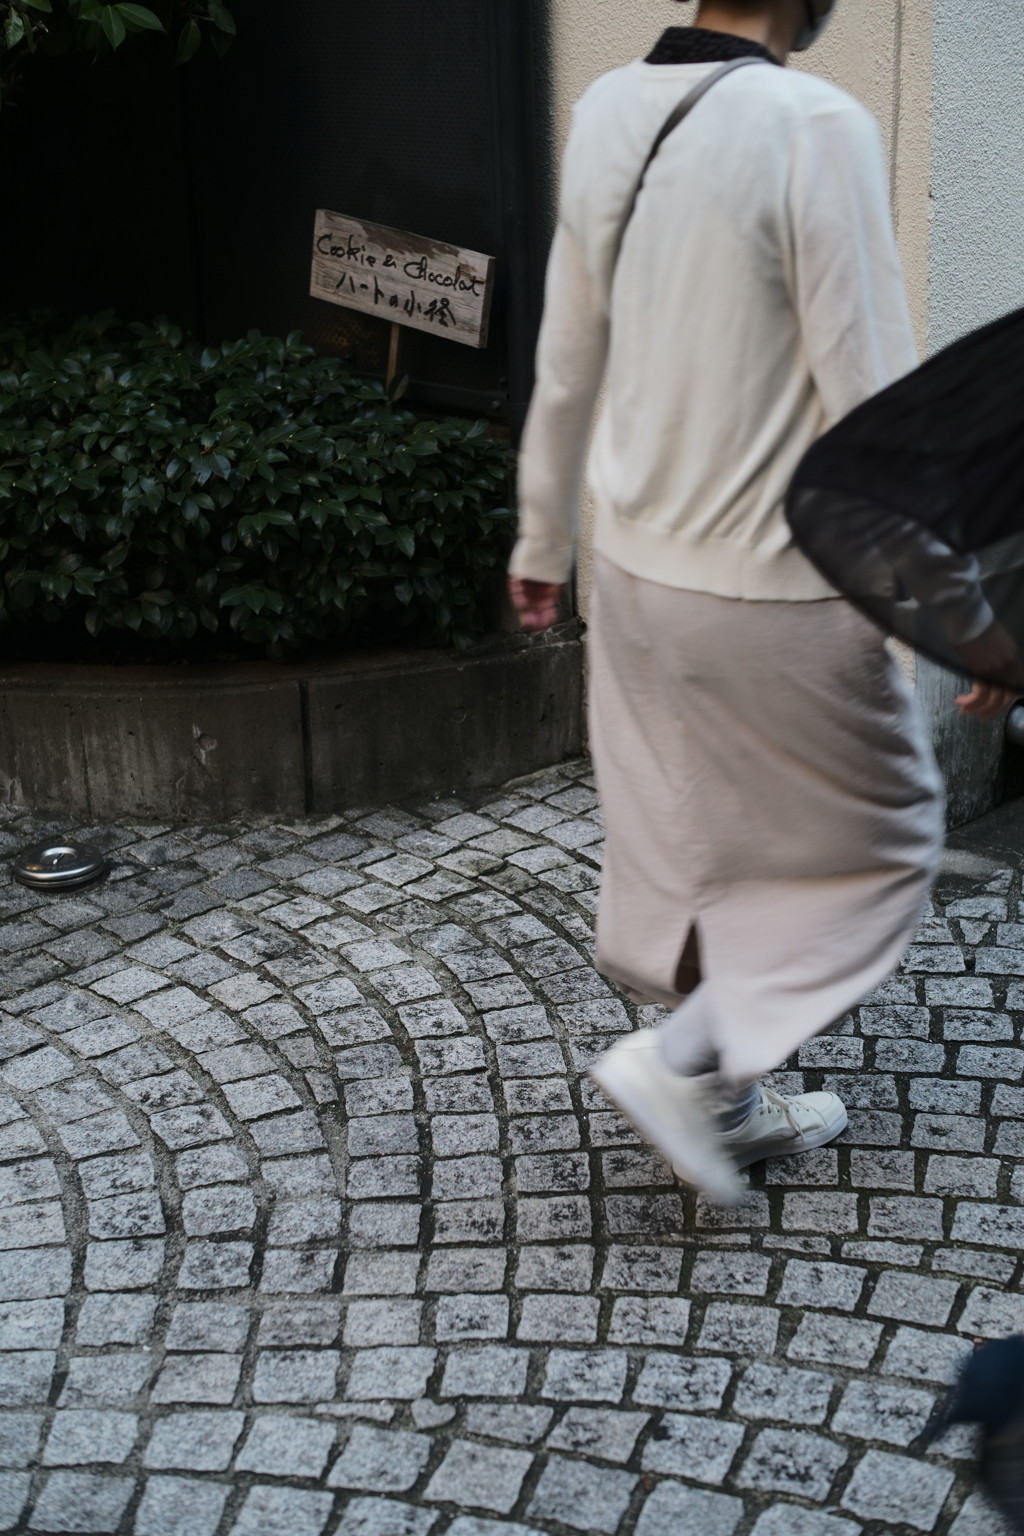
{"x": 193, "y": 193}
{"x": 410, "y": 113}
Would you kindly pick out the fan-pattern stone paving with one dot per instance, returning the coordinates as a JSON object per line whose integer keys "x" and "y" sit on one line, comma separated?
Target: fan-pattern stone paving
{"x": 310, "y": 1222}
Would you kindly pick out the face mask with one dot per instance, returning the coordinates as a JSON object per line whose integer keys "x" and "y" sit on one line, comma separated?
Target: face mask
{"x": 813, "y": 30}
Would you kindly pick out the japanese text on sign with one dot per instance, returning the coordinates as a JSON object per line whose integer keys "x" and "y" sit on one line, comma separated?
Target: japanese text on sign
{"x": 401, "y": 277}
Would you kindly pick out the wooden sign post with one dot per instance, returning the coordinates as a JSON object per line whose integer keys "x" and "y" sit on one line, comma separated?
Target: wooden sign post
{"x": 403, "y": 278}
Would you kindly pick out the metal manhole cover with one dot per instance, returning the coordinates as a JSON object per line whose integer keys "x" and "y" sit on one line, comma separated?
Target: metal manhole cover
{"x": 58, "y": 866}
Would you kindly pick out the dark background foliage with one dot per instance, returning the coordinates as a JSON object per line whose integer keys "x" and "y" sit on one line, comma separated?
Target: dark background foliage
{"x": 51, "y": 28}
{"x": 128, "y": 184}
{"x": 253, "y": 490}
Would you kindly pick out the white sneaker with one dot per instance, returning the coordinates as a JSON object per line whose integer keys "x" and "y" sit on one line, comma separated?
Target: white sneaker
{"x": 675, "y": 1114}
{"x": 780, "y": 1126}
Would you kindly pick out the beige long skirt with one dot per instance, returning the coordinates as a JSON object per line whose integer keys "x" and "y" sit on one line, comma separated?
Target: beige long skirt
{"x": 766, "y": 781}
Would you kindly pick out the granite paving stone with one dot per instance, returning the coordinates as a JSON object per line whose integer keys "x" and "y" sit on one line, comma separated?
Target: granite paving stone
{"x": 118, "y": 1318}
{"x": 386, "y": 1461}
{"x": 606, "y": 1433}
{"x": 485, "y": 1371}
{"x": 479, "y": 1476}
{"x": 391, "y": 1372}
{"x": 215, "y": 1266}
{"x": 517, "y": 1422}
{"x": 276, "y": 1511}
{"x": 689, "y": 1445}
{"x": 990, "y": 1314}
{"x": 582, "y": 1496}
{"x": 792, "y": 1520}
{"x": 180, "y": 1506}
{"x": 82, "y": 1501}
{"x": 897, "y": 1489}
{"x": 385, "y": 1517}
{"x": 210, "y": 1325}
{"x": 469, "y": 1316}
{"x": 31, "y": 1324}
{"x": 295, "y": 1375}
{"x": 791, "y": 1461}
{"x": 314, "y": 1222}
{"x": 925, "y": 1356}
{"x": 19, "y": 1438}
{"x": 197, "y": 1378}
{"x": 96, "y": 1380}
{"x": 835, "y": 1341}
{"x": 743, "y": 1274}
{"x": 793, "y": 1396}
{"x": 32, "y": 1272}
{"x": 872, "y": 1411}
{"x": 913, "y": 1298}
{"x": 648, "y": 1269}
{"x": 649, "y": 1320}
{"x": 81, "y": 1436}
{"x": 821, "y": 1285}
{"x": 669, "y": 1381}
{"x": 14, "y": 1490}
{"x": 739, "y": 1329}
{"x": 674, "y": 1509}
{"x": 200, "y": 1442}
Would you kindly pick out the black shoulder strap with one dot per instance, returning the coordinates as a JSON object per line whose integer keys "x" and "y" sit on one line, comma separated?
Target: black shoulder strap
{"x": 675, "y": 117}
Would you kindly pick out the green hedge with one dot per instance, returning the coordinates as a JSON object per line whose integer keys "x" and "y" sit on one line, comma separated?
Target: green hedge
{"x": 148, "y": 486}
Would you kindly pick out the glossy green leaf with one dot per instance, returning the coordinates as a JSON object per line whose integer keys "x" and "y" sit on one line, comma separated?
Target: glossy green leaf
{"x": 138, "y": 18}
{"x": 113, "y": 26}
{"x": 188, "y": 42}
{"x": 148, "y": 486}
{"x": 221, "y": 17}
{"x": 14, "y": 28}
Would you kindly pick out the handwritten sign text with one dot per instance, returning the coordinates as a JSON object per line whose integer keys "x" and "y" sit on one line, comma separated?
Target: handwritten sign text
{"x": 402, "y": 277}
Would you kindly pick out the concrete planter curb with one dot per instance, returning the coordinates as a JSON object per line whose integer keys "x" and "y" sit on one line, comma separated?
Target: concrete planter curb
{"x": 208, "y": 742}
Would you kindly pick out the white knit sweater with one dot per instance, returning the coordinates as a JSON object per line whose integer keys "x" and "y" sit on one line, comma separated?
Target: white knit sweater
{"x": 757, "y": 299}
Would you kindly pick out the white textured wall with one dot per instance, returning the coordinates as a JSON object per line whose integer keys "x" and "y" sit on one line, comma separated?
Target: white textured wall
{"x": 977, "y": 166}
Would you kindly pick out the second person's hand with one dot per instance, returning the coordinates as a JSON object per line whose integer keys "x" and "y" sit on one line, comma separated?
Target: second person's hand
{"x": 985, "y": 701}
{"x": 538, "y": 603}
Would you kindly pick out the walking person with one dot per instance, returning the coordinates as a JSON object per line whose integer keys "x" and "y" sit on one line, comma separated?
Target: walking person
{"x": 773, "y": 810}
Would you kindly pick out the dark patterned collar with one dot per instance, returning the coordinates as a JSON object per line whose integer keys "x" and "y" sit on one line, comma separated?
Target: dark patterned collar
{"x": 699, "y": 45}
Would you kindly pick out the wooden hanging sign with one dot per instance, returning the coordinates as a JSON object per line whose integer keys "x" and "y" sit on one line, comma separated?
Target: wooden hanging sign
{"x": 403, "y": 278}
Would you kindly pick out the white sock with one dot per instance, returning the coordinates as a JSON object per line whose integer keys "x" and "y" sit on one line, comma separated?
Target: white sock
{"x": 687, "y": 1046}
{"x": 743, "y": 1106}
{"x": 688, "y": 1050}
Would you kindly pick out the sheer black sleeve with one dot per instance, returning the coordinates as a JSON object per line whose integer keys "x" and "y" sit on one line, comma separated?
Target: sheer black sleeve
{"x": 912, "y": 506}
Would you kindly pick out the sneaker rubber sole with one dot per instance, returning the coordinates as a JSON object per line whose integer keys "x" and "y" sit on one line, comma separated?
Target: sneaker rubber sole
{"x": 791, "y": 1146}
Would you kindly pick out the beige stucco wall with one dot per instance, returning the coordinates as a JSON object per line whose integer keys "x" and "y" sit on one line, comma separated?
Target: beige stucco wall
{"x": 879, "y": 50}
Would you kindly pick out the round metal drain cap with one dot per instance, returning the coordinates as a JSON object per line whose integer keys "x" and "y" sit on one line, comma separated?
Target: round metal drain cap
{"x": 58, "y": 866}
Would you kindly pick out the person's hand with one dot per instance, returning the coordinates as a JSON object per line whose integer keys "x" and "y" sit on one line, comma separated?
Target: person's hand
{"x": 993, "y": 652}
{"x": 538, "y": 603}
{"x": 985, "y": 701}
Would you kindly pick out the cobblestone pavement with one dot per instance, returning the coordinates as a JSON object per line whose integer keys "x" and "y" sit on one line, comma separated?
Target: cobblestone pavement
{"x": 311, "y": 1224}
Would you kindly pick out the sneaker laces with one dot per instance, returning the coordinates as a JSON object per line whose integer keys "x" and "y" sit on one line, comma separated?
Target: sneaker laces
{"x": 776, "y": 1101}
